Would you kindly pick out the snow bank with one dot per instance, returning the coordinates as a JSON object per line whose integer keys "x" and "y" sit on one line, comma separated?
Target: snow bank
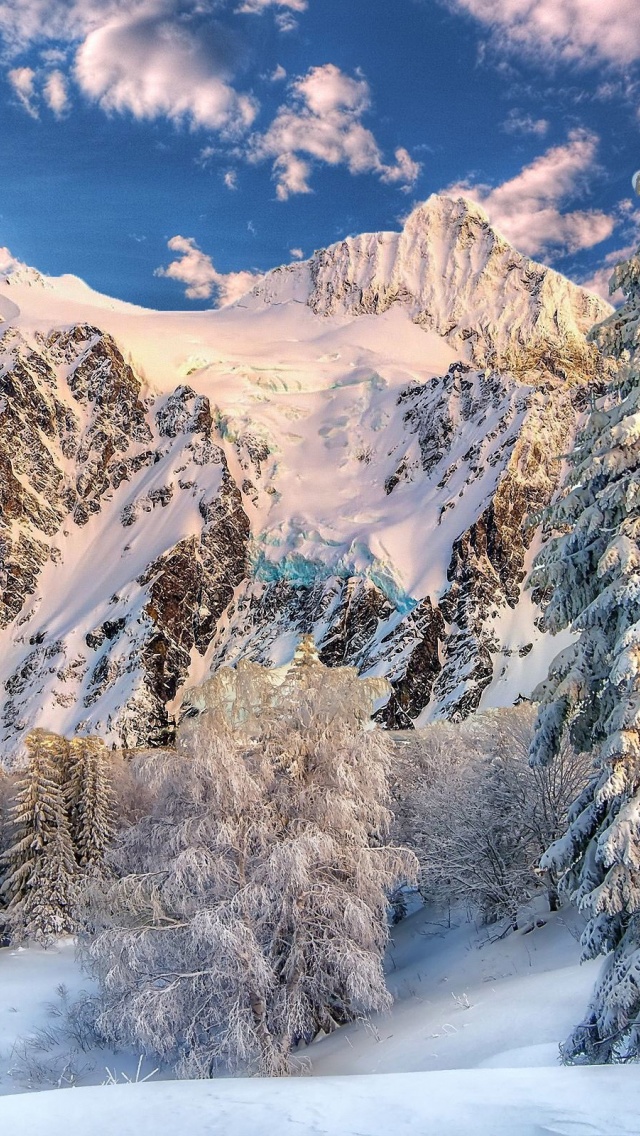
{"x": 511, "y": 1102}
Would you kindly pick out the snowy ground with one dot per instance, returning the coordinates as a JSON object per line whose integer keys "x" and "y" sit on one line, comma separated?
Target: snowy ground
{"x": 470, "y": 1047}
{"x": 511, "y": 1102}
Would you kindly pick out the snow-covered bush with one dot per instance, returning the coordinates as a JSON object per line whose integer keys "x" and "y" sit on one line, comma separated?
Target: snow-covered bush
{"x": 249, "y": 910}
{"x": 477, "y": 815}
{"x": 591, "y": 571}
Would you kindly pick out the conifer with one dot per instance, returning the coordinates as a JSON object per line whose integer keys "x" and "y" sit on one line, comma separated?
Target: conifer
{"x": 591, "y": 570}
{"x": 39, "y": 886}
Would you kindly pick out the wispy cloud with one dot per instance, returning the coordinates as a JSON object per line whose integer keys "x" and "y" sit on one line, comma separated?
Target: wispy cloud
{"x": 580, "y": 31}
{"x": 322, "y": 122}
{"x": 56, "y": 93}
{"x": 22, "y": 81}
{"x": 258, "y": 6}
{"x": 629, "y": 232}
{"x": 529, "y": 209}
{"x": 195, "y": 269}
{"x": 517, "y": 122}
{"x": 171, "y": 60}
{"x": 285, "y": 19}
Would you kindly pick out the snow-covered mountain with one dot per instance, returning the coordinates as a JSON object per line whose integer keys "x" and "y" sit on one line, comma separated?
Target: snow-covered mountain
{"x": 351, "y": 449}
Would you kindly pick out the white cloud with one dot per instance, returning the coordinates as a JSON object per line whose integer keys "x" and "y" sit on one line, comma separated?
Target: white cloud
{"x": 23, "y": 22}
{"x": 206, "y": 155}
{"x": 196, "y": 270}
{"x": 518, "y": 123}
{"x": 56, "y": 94}
{"x": 406, "y": 171}
{"x": 527, "y": 209}
{"x": 22, "y": 80}
{"x": 278, "y": 75}
{"x": 598, "y": 282}
{"x": 231, "y": 179}
{"x": 54, "y": 90}
{"x": 150, "y": 58}
{"x": 154, "y": 67}
{"x": 292, "y": 176}
{"x": 583, "y": 31}
{"x": 296, "y": 253}
{"x": 322, "y": 123}
{"x": 286, "y": 22}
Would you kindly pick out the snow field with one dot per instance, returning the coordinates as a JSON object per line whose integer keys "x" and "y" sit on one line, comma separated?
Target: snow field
{"x": 469, "y": 1049}
{"x": 511, "y": 1102}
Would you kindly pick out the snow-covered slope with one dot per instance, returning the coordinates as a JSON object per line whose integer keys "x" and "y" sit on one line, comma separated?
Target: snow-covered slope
{"x": 512, "y": 1102}
{"x": 470, "y": 1046}
{"x": 350, "y": 450}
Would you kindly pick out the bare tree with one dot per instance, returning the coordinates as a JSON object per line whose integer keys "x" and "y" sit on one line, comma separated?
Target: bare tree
{"x": 477, "y": 815}
{"x": 249, "y": 910}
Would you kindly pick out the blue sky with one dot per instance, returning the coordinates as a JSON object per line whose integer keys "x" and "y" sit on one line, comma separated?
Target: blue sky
{"x": 215, "y": 138}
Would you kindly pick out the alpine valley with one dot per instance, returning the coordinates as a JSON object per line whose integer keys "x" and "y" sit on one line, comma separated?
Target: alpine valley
{"x": 359, "y": 448}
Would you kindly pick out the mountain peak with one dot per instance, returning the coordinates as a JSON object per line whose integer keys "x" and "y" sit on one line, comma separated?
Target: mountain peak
{"x": 448, "y": 207}
{"x": 456, "y": 276}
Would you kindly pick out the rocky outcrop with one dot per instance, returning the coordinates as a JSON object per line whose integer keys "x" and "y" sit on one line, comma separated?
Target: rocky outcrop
{"x": 489, "y": 560}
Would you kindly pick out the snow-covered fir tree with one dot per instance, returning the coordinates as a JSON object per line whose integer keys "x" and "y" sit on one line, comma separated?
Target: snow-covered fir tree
{"x": 90, "y": 799}
{"x": 250, "y": 910}
{"x": 591, "y": 571}
{"x": 39, "y": 885}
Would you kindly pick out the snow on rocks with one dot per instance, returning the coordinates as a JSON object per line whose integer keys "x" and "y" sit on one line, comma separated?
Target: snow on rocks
{"x": 350, "y": 450}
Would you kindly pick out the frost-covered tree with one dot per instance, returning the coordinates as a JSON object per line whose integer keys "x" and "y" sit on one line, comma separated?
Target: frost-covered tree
{"x": 39, "y": 885}
{"x": 477, "y": 815}
{"x": 590, "y": 572}
{"x": 88, "y": 786}
{"x": 249, "y": 912}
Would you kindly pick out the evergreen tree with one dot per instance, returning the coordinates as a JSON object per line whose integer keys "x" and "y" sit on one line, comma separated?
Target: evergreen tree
{"x": 39, "y": 885}
{"x": 90, "y": 799}
{"x": 591, "y": 571}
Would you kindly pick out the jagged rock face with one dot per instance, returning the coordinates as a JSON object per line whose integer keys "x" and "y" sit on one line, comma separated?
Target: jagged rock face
{"x": 42, "y": 431}
{"x": 356, "y": 455}
{"x": 77, "y": 439}
{"x": 489, "y": 560}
